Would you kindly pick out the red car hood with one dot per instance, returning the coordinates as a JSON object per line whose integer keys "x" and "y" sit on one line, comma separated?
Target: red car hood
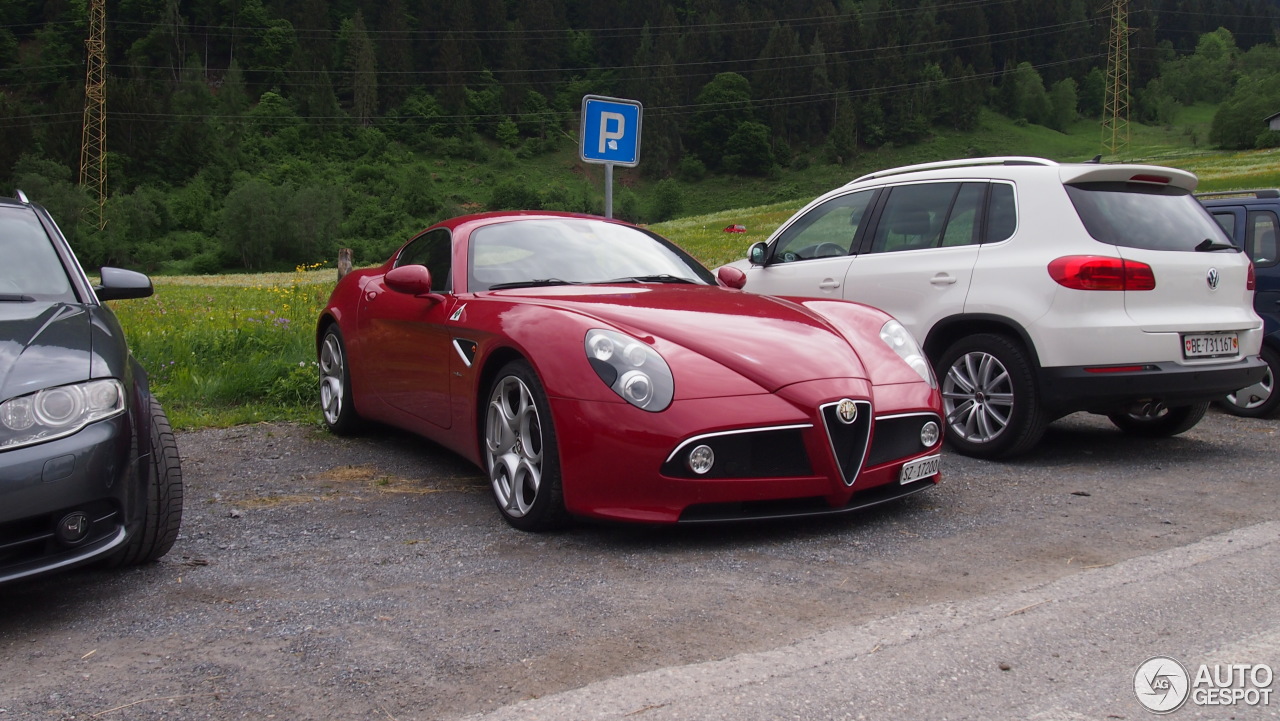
{"x": 770, "y": 341}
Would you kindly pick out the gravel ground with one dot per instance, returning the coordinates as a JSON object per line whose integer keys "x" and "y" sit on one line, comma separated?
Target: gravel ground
{"x": 327, "y": 578}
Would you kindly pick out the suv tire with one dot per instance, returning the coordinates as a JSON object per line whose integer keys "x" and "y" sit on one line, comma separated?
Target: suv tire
{"x": 1160, "y": 421}
{"x": 989, "y": 397}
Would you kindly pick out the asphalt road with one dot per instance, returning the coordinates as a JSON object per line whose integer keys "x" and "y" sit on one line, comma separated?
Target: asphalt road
{"x": 324, "y": 578}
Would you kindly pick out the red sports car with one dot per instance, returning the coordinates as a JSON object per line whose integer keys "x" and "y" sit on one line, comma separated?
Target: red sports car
{"x": 594, "y": 369}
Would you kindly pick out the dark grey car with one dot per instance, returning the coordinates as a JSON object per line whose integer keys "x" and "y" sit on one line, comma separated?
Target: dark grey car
{"x": 89, "y": 469}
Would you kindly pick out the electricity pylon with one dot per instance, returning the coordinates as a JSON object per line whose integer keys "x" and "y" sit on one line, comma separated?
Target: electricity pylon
{"x": 93, "y": 139}
{"x": 1115, "y": 109}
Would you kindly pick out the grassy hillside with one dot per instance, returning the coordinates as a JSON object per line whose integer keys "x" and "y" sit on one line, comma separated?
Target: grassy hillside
{"x": 469, "y": 184}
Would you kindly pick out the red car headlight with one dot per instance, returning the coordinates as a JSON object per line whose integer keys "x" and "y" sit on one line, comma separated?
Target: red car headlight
{"x": 897, "y": 337}
{"x": 634, "y": 371}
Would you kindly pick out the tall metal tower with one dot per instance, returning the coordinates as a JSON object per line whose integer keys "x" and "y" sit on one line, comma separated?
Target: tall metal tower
{"x": 93, "y": 140}
{"x": 1115, "y": 109}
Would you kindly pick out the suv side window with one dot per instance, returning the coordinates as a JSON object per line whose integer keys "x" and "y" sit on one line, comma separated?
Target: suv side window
{"x": 435, "y": 251}
{"x": 929, "y": 215}
{"x": 826, "y": 231}
{"x": 963, "y": 220}
{"x": 1002, "y": 213}
{"x": 1261, "y": 242}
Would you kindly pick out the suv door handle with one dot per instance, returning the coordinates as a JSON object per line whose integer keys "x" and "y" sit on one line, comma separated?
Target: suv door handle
{"x": 829, "y": 284}
{"x": 943, "y": 279}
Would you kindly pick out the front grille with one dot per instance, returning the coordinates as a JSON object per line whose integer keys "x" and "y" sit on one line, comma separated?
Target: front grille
{"x": 848, "y": 440}
{"x": 898, "y": 437}
{"x": 752, "y": 453}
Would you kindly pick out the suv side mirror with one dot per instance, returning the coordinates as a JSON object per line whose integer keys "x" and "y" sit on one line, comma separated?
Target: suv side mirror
{"x": 119, "y": 284}
{"x": 758, "y": 253}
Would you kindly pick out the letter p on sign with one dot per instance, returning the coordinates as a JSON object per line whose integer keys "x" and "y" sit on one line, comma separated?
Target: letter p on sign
{"x": 609, "y": 138}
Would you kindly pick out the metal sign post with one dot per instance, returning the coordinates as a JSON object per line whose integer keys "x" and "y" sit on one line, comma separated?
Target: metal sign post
{"x": 610, "y": 136}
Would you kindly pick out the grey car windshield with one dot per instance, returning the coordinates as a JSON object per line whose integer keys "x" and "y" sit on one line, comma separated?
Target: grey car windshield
{"x": 554, "y": 251}
{"x": 31, "y": 267}
{"x": 1144, "y": 216}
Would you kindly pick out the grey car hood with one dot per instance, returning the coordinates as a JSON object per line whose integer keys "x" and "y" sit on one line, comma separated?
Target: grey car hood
{"x": 42, "y": 345}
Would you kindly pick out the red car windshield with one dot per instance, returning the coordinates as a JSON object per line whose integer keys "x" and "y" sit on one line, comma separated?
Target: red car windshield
{"x": 555, "y": 251}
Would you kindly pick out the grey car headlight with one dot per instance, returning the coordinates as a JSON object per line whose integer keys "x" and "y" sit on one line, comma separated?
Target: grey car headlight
{"x": 632, "y": 369}
{"x": 58, "y": 411}
{"x": 897, "y": 337}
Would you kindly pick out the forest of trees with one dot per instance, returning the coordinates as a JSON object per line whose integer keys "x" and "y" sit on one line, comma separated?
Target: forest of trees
{"x": 265, "y": 133}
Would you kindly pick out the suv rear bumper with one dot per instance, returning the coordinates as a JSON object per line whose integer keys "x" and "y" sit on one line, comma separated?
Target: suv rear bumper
{"x": 1070, "y": 389}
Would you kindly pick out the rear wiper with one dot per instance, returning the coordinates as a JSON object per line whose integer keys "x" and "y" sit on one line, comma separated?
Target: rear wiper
{"x": 1209, "y": 245}
{"x": 660, "y": 278}
{"x": 532, "y": 283}
{"x": 15, "y": 298}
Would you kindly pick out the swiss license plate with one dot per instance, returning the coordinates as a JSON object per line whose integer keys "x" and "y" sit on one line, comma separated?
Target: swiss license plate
{"x": 920, "y": 468}
{"x": 1210, "y": 345}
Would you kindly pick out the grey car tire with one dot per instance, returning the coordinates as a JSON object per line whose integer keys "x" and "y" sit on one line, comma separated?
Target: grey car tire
{"x": 162, "y": 517}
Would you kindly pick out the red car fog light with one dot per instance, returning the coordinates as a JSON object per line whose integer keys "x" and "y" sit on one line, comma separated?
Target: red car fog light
{"x": 929, "y": 434}
{"x": 701, "y": 459}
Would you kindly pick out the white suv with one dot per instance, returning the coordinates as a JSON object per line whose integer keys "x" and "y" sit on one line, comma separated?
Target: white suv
{"x": 1039, "y": 289}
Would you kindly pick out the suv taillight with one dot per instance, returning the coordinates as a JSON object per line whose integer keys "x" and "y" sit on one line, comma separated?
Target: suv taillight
{"x": 1251, "y": 280}
{"x": 1093, "y": 272}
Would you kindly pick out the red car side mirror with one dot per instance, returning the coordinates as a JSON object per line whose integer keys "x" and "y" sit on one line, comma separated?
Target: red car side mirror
{"x": 731, "y": 277}
{"x": 409, "y": 279}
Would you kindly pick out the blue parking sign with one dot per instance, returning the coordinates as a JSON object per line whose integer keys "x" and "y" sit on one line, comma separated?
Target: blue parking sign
{"x": 611, "y": 130}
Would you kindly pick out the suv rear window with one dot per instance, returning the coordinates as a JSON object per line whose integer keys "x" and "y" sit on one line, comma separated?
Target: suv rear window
{"x": 1144, "y": 216}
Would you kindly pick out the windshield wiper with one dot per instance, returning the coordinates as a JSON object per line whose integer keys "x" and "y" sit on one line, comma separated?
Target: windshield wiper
{"x": 1209, "y": 245}
{"x": 659, "y": 278}
{"x": 535, "y": 283}
{"x": 15, "y": 298}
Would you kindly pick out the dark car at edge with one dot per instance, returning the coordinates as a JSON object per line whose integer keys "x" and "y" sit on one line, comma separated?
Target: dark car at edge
{"x": 89, "y": 468}
{"x": 1252, "y": 219}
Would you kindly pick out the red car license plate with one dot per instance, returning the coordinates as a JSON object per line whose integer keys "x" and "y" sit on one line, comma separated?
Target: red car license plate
{"x": 920, "y": 468}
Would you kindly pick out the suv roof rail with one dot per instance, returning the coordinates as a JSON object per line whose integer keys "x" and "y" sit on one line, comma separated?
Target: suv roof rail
{"x": 21, "y": 196}
{"x": 960, "y": 163}
{"x": 1259, "y": 193}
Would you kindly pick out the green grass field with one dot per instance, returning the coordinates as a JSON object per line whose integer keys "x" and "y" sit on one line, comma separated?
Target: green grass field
{"x": 226, "y": 350}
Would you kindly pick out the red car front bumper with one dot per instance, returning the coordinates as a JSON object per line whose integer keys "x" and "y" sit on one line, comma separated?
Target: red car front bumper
{"x": 621, "y": 463}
